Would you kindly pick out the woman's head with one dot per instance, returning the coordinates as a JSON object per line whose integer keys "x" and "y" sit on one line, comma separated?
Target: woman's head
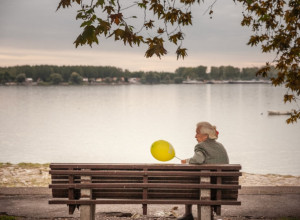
{"x": 205, "y": 130}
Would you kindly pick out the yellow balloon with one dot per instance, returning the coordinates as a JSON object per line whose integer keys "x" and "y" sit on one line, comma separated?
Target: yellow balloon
{"x": 162, "y": 150}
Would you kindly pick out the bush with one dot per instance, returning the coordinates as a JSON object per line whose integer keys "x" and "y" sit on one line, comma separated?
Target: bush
{"x": 21, "y": 78}
{"x": 56, "y": 78}
{"x": 75, "y": 78}
{"x": 178, "y": 80}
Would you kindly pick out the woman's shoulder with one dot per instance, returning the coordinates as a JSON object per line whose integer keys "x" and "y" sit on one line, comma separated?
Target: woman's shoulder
{"x": 209, "y": 143}
{"x": 212, "y": 141}
{"x": 200, "y": 146}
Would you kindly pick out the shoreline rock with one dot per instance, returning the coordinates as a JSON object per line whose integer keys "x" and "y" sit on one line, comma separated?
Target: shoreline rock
{"x": 37, "y": 175}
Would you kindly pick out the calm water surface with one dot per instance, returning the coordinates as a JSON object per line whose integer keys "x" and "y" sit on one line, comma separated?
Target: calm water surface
{"x": 113, "y": 124}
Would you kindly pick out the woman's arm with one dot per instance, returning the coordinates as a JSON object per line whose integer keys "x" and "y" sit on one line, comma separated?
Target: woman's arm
{"x": 198, "y": 158}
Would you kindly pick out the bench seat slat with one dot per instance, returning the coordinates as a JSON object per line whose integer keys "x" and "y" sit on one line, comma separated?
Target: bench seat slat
{"x": 143, "y": 185}
{"x": 143, "y": 201}
{"x": 135, "y": 181}
{"x": 137, "y": 193}
{"x": 142, "y": 173}
{"x": 142, "y": 166}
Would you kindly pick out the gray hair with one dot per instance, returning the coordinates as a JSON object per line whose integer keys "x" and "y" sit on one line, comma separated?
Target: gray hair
{"x": 208, "y": 129}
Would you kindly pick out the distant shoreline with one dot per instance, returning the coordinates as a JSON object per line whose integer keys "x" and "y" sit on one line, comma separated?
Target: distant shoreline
{"x": 138, "y": 83}
{"x": 37, "y": 175}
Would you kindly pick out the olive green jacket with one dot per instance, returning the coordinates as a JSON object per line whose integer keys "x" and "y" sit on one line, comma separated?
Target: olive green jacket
{"x": 209, "y": 151}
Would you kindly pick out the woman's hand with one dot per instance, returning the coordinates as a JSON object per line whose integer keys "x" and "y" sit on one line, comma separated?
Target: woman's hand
{"x": 183, "y": 161}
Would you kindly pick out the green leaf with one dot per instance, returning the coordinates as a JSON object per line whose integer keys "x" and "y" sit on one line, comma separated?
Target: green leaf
{"x": 86, "y": 23}
{"x": 100, "y": 3}
{"x": 108, "y": 9}
{"x": 64, "y": 4}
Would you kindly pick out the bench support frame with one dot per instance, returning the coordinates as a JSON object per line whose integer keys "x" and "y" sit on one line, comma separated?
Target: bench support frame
{"x": 204, "y": 212}
{"x": 87, "y": 212}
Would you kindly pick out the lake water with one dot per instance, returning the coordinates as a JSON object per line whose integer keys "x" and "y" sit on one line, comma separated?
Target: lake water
{"x": 118, "y": 124}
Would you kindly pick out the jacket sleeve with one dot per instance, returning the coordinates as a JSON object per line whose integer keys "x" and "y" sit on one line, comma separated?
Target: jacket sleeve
{"x": 199, "y": 156}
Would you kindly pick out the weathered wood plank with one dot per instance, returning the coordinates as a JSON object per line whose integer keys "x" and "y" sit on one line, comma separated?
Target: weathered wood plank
{"x": 142, "y": 201}
{"x": 142, "y": 173}
{"x": 142, "y": 185}
{"x": 142, "y": 166}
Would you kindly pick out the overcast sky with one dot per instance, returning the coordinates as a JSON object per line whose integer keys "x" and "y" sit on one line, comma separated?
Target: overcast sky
{"x": 33, "y": 33}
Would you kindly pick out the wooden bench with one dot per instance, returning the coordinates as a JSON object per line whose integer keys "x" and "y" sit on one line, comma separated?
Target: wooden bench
{"x": 209, "y": 186}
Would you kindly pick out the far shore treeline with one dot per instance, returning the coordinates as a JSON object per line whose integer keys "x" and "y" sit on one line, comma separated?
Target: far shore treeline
{"x": 51, "y": 74}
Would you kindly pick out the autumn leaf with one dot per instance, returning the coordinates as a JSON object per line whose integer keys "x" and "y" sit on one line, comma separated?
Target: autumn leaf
{"x": 116, "y": 18}
{"x": 181, "y": 52}
{"x": 103, "y": 27}
{"x": 178, "y": 36}
{"x": 155, "y": 46}
{"x": 149, "y": 24}
{"x": 289, "y": 98}
{"x": 160, "y": 31}
{"x": 264, "y": 70}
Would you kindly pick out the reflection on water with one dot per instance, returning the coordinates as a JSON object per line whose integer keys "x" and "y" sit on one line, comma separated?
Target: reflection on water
{"x": 119, "y": 123}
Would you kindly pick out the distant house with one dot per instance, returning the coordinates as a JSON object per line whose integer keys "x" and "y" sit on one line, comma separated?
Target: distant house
{"x": 28, "y": 80}
{"x": 85, "y": 80}
{"x": 98, "y": 80}
{"x": 134, "y": 80}
{"x": 10, "y": 84}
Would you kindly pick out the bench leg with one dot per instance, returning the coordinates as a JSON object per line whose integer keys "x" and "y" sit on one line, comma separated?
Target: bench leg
{"x": 204, "y": 212}
{"x": 144, "y": 209}
{"x": 87, "y": 212}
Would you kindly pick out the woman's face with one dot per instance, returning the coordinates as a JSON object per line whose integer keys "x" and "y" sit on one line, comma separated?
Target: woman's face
{"x": 200, "y": 137}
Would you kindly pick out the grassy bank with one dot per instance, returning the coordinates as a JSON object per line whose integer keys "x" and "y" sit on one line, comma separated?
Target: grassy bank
{"x": 24, "y": 175}
{"x": 25, "y": 165}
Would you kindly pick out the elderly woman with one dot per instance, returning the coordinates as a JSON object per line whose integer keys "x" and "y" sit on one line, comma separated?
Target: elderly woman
{"x": 207, "y": 151}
